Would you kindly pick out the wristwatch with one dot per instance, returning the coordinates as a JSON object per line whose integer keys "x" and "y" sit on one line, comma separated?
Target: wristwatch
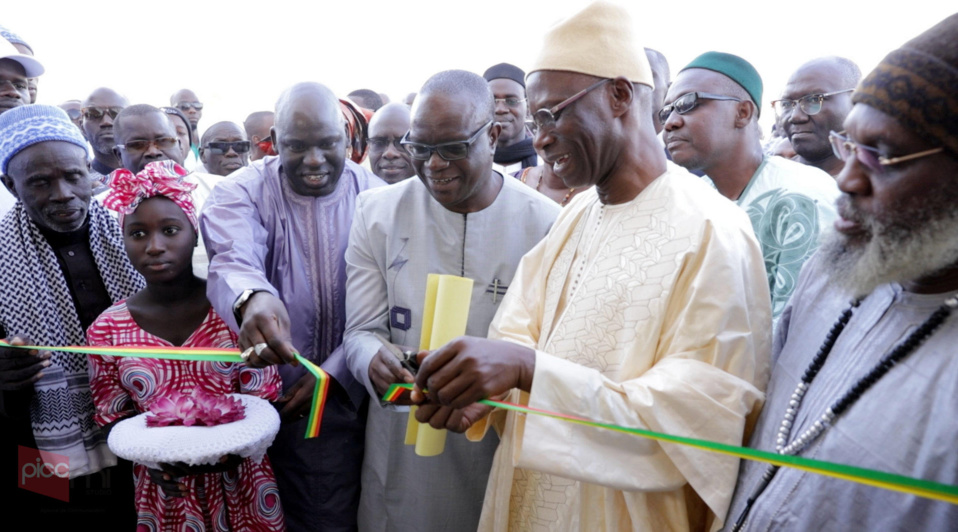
{"x": 240, "y": 301}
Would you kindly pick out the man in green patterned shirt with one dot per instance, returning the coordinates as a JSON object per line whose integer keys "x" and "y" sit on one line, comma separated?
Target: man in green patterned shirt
{"x": 711, "y": 125}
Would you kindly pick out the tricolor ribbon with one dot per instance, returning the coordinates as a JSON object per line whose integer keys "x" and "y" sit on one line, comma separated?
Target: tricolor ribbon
{"x": 871, "y": 477}
{"x": 199, "y": 354}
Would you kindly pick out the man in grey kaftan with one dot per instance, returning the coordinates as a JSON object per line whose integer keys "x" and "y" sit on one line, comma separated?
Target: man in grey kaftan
{"x": 893, "y": 251}
{"x": 400, "y": 234}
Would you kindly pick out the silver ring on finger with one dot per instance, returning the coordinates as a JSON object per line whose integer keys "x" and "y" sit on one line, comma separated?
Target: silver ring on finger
{"x": 246, "y": 354}
{"x": 260, "y": 347}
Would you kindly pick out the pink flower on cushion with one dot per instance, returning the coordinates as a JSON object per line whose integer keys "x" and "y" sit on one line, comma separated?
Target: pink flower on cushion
{"x": 200, "y": 409}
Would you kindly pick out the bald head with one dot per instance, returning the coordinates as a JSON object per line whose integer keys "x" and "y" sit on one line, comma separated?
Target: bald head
{"x": 391, "y": 113}
{"x": 472, "y": 87}
{"x": 310, "y": 136}
{"x": 258, "y": 123}
{"x": 841, "y": 70}
{"x": 183, "y": 95}
{"x": 307, "y": 98}
{"x": 222, "y": 129}
{"x": 105, "y": 96}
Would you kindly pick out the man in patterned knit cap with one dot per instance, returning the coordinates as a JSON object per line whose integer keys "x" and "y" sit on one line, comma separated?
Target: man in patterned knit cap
{"x": 894, "y": 252}
{"x": 61, "y": 264}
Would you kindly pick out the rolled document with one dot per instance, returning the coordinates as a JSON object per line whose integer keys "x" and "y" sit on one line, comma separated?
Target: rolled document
{"x": 445, "y": 315}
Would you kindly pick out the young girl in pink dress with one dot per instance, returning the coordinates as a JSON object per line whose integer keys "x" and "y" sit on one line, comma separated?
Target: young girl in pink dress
{"x": 160, "y": 231}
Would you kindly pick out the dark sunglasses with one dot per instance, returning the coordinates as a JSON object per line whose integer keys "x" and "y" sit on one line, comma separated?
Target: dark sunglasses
{"x": 97, "y": 113}
{"x": 74, "y": 114}
{"x": 161, "y": 143}
{"x": 219, "y": 148}
{"x": 185, "y": 106}
{"x": 381, "y": 143}
{"x": 546, "y": 118}
{"x": 844, "y": 147}
{"x": 449, "y": 151}
{"x": 687, "y": 102}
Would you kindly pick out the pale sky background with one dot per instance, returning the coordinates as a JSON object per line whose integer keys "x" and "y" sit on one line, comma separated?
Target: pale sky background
{"x": 239, "y": 55}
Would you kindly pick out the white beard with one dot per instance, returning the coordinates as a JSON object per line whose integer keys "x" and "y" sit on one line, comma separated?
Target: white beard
{"x": 914, "y": 244}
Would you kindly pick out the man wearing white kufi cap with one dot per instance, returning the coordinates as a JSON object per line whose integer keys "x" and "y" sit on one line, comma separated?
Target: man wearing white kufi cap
{"x": 646, "y": 306}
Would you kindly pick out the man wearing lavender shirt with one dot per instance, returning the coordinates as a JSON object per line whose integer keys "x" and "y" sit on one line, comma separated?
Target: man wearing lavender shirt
{"x": 276, "y": 232}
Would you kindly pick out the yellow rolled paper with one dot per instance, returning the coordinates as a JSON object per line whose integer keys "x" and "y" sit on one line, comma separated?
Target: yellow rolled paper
{"x": 445, "y": 314}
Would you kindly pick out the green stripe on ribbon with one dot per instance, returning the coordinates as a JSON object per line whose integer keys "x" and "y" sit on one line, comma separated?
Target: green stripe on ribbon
{"x": 197, "y": 354}
{"x": 870, "y": 477}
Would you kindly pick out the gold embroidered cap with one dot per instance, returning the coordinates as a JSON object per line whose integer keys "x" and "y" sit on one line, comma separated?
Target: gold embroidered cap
{"x": 597, "y": 41}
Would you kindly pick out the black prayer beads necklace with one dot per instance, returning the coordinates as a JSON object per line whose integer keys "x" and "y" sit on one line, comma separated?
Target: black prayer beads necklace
{"x": 797, "y": 445}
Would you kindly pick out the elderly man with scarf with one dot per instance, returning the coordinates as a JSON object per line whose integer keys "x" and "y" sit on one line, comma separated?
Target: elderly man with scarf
{"x": 514, "y": 151}
{"x": 62, "y": 263}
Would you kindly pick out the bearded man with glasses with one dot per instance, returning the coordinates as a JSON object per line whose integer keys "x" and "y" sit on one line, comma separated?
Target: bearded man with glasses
{"x": 816, "y": 100}
{"x": 711, "y": 125}
{"x": 621, "y": 314}
{"x": 865, "y": 367}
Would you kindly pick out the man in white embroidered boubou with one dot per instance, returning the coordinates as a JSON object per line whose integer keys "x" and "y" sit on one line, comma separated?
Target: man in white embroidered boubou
{"x": 623, "y": 314}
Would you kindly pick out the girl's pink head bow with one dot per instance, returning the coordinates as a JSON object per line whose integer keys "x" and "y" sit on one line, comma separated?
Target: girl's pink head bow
{"x": 161, "y": 178}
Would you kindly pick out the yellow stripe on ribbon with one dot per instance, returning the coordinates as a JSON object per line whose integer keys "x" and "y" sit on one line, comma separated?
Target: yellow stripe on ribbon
{"x": 198, "y": 354}
{"x": 870, "y": 477}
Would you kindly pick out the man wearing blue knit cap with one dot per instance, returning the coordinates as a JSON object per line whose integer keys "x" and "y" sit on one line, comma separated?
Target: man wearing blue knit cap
{"x": 62, "y": 262}
{"x": 711, "y": 125}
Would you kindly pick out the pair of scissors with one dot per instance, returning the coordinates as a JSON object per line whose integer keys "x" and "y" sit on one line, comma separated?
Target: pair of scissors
{"x": 406, "y": 358}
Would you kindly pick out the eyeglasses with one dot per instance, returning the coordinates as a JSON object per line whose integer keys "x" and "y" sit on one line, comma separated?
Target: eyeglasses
{"x": 97, "y": 113}
{"x": 74, "y": 114}
{"x": 685, "y": 103}
{"x": 510, "y": 102}
{"x": 266, "y": 146}
{"x": 381, "y": 143}
{"x": 161, "y": 143}
{"x": 546, "y": 118}
{"x": 449, "y": 151}
{"x": 185, "y": 106}
{"x": 844, "y": 147}
{"x": 219, "y": 148}
{"x": 810, "y": 104}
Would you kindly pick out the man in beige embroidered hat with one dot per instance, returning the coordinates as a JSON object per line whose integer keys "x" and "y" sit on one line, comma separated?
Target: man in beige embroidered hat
{"x": 646, "y": 305}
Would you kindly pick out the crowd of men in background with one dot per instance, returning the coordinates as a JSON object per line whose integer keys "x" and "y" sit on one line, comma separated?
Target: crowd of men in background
{"x": 642, "y": 254}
